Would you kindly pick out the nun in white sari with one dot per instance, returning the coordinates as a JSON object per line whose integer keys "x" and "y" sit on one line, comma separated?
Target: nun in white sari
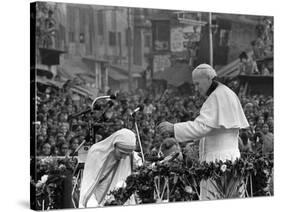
{"x": 217, "y": 126}
{"x": 108, "y": 163}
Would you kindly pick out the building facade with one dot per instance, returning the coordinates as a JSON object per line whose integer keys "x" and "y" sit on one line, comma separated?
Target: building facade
{"x": 105, "y": 37}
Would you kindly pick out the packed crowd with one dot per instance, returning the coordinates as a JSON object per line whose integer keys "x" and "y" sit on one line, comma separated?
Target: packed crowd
{"x": 59, "y": 133}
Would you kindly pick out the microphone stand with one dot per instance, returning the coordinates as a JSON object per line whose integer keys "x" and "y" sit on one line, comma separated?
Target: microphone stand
{"x": 138, "y": 135}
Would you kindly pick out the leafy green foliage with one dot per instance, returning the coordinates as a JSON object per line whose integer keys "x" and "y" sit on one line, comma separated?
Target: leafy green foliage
{"x": 184, "y": 179}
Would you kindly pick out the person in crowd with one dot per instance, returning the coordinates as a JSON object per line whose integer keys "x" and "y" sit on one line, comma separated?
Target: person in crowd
{"x": 257, "y": 53}
{"x": 257, "y": 140}
{"x": 63, "y": 149}
{"x": 74, "y": 143}
{"x": 108, "y": 162}
{"x": 169, "y": 147}
{"x": 260, "y": 121}
{"x": 245, "y": 145}
{"x": 46, "y": 149}
{"x": 247, "y": 66}
{"x": 51, "y": 140}
{"x": 218, "y": 124}
{"x": 264, "y": 70}
{"x": 270, "y": 123}
{"x": 40, "y": 140}
{"x": 191, "y": 151}
{"x": 267, "y": 140}
{"x": 148, "y": 107}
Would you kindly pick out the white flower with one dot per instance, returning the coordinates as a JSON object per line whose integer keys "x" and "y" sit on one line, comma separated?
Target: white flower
{"x": 121, "y": 184}
{"x": 41, "y": 182}
{"x": 266, "y": 172}
{"x": 223, "y": 168}
{"x": 44, "y": 178}
{"x": 188, "y": 189}
{"x": 62, "y": 167}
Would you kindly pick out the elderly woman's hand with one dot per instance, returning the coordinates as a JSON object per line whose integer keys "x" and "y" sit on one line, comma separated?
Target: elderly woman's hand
{"x": 166, "y": 127}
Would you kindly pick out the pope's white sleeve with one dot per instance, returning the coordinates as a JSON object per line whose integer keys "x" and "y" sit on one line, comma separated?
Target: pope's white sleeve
{"x": 190, "y": 130}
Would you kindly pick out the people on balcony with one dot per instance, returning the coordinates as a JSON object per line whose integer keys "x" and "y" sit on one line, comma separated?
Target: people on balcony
{"x": 247, "y": 65}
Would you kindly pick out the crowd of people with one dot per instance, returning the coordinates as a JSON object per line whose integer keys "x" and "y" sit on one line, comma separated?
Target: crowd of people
{"x": 59, "y": 133}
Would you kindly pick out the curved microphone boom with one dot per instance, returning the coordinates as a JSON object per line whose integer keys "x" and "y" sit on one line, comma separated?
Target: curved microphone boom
{"x": 80, "y": 113}
{"x": 92, "y": 107}
{"x": 102, "y": 97}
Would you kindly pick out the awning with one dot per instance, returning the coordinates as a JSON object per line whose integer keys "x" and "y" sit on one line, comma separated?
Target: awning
{"x": 95, "y": 60}
{"x": 42, "y": 70}
{"x": 120, "y": 72}
{"x": 50, "y": 56}
{"x": 72, "y": 67}
{"x": 48, "y": 82}
{"x": 123, "y": 69}
{"x": 90, "y": 92}
{"x": 89, "y": 78}
{"x": 176, "y": 75}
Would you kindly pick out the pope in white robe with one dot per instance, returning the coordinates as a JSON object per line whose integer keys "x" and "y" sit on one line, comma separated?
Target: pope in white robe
{"x": 217, "y": 126}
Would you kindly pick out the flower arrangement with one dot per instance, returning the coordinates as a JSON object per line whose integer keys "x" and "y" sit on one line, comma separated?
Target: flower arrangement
{"x": 160, "y": 182}
{"x": 50, "y": 189}
{"x": 180, "y": 181}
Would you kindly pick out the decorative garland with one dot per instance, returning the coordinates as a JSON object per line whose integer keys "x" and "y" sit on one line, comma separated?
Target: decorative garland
{"x": 183, "y": 180}
{"x": 156, "y": 182}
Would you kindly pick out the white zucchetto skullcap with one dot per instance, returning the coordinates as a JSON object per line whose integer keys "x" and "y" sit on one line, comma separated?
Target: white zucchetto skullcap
{"x": 205, "y": 69}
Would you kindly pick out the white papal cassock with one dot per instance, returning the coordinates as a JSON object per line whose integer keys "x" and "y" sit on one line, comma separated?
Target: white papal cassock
{"x": 217, "y": 127}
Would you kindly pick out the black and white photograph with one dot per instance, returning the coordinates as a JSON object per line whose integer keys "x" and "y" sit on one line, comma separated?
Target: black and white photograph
{"x": 135, "y": 105}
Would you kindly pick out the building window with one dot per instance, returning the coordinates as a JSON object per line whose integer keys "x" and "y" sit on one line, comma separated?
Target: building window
{"x": 71, "y": 37}
{"x": 224, "y": 35}
{"x": 82, "y": 19}
{"x": 112, "y": 38}
{"x": 137, "y": 49}
{"x": 147, "y": 41}
{"x": 128, "y": 37}
{"x": 100, "y": 22}
{"x": 161, "y": 35}
{"x": 71, "y": 21}
{"x": 120, "y": 43}
{"x": 82, "y": 38}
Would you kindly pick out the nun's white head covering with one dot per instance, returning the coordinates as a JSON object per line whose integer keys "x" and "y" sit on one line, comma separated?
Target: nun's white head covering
{"x": 97, "y": 163}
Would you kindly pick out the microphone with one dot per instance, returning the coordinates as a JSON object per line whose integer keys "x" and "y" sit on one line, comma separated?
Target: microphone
{"x": 88, "y": 110}
{"x": 80, "y": 113}
{"x": 139, "y": 108}
{"x": 112, "y": 96}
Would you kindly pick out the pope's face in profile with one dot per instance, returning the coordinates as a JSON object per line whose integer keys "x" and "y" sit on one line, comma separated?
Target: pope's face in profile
{"x": 119, "y": 154}
{"x": 202, "y": 83}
